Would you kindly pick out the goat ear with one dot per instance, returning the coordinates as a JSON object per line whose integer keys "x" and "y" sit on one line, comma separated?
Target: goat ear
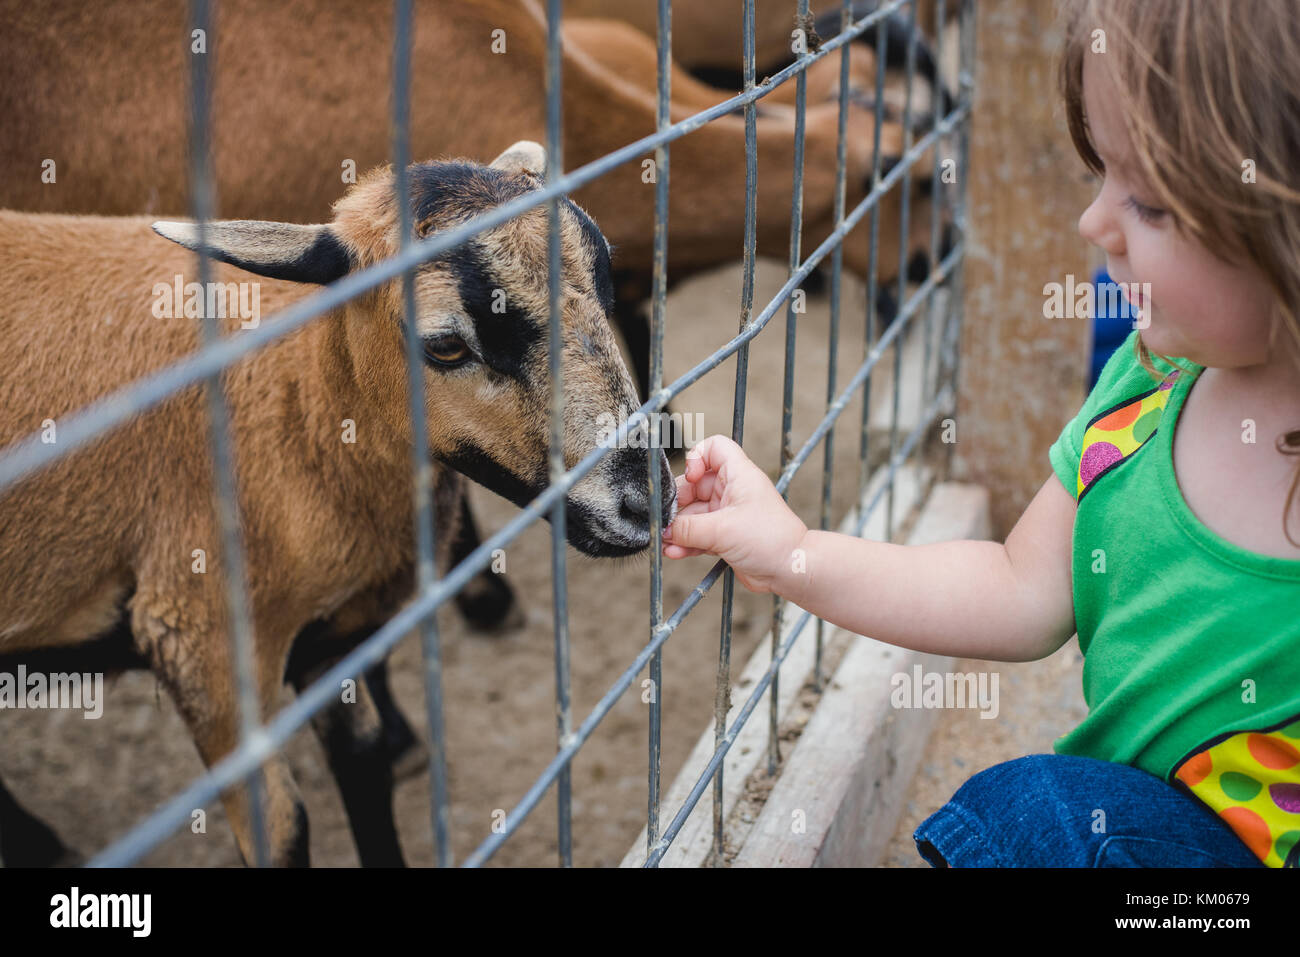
{"x": 524, "y": 157}
{"x": 312, "y": 254}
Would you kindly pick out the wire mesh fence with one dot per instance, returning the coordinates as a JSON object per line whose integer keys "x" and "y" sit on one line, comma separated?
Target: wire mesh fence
{"x": 947, "y": 123}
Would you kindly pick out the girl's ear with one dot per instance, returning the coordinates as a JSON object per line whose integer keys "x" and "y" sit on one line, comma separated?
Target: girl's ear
{"x": 524, "y": 157}
{"x": 312, "y": 254}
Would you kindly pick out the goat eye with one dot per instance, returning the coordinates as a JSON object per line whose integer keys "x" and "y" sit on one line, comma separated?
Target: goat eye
{"x": 448, "y": 351}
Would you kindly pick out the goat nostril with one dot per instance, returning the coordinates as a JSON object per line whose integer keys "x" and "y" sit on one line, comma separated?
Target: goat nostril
{"x": 636, "y": 506}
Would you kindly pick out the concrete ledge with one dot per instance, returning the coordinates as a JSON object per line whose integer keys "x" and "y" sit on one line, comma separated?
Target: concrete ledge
{"x": 952, "y": 512}
{"x": 693, "y": 843}
{"x": 841, "y": 790}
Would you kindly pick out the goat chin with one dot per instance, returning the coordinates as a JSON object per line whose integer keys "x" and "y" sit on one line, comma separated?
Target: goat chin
{"x": 594, "y": 534}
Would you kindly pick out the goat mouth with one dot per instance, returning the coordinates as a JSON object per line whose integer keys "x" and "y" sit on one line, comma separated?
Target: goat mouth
{"x": 594, "y": 535}
{"x": 600, "y": 539}
{"x": 598, "y": 547}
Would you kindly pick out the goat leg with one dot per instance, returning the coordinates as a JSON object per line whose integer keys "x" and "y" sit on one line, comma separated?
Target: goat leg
{"x": 406, "y": 754}
{"x": 27, "y": 841}
{"x": 487, "y": 601}
{"x": 355, "y": 741}
{"x": 194, "y": 665}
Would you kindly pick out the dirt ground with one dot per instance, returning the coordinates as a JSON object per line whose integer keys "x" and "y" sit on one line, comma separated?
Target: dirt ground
{"x": 1038, "y": 702}
{"x": 92, "y": 780}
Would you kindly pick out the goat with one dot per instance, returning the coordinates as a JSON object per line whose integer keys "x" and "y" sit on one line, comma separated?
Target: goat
{"x": 707, "y": 41}
{"x": 302, "y": 83}
{"x": 100, "y": 544}
{"x": 707, "y": 38}
{"x": 113, "y": 127}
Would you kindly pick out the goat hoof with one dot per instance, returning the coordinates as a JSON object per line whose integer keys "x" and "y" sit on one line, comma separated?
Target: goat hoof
{"x": 489, "y": 605}
{"x": 70, "y": 858}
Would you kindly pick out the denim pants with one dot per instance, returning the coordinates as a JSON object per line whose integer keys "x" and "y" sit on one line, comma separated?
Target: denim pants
{"x": 1059, "y": 810}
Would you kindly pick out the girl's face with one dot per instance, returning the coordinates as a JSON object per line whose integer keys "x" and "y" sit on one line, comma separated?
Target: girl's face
{"x": 1201, "y": 307}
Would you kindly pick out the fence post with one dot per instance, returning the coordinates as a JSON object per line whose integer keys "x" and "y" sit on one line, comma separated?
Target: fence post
{"x": 1022, "y": 376}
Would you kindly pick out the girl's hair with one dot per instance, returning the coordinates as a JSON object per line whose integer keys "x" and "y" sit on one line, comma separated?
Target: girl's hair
{"x": 1206, "y": 86}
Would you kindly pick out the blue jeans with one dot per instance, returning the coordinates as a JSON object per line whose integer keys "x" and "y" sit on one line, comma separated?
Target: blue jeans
{"x": 1059, "y": 810}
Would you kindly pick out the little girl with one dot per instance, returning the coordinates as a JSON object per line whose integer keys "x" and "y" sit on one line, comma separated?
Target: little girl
{"x": 1163, "y": 537}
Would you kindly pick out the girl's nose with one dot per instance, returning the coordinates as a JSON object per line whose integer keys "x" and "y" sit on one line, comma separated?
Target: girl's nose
{"x": 1098, "y": 226}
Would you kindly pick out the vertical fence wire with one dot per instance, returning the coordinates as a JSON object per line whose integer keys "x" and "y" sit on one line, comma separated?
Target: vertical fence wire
{"x": 232, "y": 549}
{"x": 659, "y": 296}
{"x": 421, "y": 463}
{"x": 966, "y": 94}
{"x": 787, "y": 391}
{"x": 837, "y": 268}
{"x": 559, "y": 578}
{"x": 938, "y": 91}
{"x": 904, "y": 231}
{"x": 722, "y": 689}
{"x": 873, "y": 270}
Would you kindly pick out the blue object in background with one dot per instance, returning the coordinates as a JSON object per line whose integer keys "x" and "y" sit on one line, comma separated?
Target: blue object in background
{"x": 1110, "y": 327}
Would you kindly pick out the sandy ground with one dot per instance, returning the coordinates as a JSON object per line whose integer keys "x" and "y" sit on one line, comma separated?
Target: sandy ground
{"x": 1038, "y": 702}
{"x": 92, "y": 780}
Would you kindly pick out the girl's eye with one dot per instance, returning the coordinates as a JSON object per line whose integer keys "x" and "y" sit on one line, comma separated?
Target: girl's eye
{"x": 1148, "y": 214}
{"x": 449, "y": 351}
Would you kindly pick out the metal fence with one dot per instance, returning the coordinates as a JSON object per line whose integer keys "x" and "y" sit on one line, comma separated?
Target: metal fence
{"x": 260, "y": 741}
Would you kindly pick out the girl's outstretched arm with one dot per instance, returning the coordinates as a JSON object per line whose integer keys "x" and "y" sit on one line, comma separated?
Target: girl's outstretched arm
{"x": 972, "y": 599}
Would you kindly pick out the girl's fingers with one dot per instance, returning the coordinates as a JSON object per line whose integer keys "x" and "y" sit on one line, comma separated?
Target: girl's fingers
{"x": 676, "y": 551}
{"x": 673, "y": 550}
{"x": 705, "y": 486}
{"x": 710, "y": 455}
{"x": 702, "y": 490}
{"x": 695, "y": 466}
{"x": 685, "y": 492}
{"x": 695, "y": 508}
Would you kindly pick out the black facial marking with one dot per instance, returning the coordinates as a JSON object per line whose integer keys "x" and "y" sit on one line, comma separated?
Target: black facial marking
{"x": 581, "y": 521}
{"x": 450, "y": 190}
{"x": 507, "y": 337}
{"x": 443, "y": 193}
{"x": 595, "y": 242}
{"x": 472, "y": 461}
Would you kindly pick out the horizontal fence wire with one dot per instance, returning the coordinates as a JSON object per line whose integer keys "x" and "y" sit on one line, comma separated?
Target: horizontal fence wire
{"x": 261, "y": 742}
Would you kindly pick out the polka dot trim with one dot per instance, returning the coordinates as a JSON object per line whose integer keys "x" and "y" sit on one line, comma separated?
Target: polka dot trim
{"x": 1252, "y": 781}
{"x": 1119, "y": 432}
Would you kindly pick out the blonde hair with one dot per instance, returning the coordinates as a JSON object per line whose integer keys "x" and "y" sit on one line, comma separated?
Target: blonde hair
{"x": 1204, "y": 87}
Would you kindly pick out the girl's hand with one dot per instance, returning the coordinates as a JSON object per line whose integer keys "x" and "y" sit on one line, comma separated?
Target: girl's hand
{"x": 727, "y": 506}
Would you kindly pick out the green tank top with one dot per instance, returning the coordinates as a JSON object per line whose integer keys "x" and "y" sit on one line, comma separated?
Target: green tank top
{"x": 1191, "y": 644}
